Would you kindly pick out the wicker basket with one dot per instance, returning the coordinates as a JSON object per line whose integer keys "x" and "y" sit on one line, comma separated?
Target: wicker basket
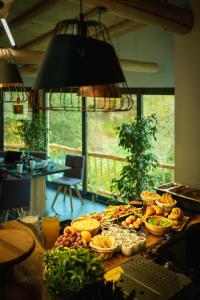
{"x": 106, "y": 253}
{"x": 149, "y": 200}
{"x": 167, "y": 207}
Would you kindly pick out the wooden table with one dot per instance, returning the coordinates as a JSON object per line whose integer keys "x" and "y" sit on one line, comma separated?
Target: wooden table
{"x": 38, "y": 183}
{"x": 27, "y": 282}
{"x": 15, "y": 246}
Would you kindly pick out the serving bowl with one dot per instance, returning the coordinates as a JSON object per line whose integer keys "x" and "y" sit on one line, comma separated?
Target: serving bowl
{"x": 99, "y": 246}
{"x": 158, "y": 225}
{"x": 167, "y": 207}
{"x": 86, "y": 224}
{"x": 149, "y": 198}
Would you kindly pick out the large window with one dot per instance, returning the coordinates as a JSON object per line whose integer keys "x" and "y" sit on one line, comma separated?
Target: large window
{"x": 163, "y": 107}
{"x": 65, "y": 133}
{"x": 11, "y": 140}
{"x": 104, "y": 153}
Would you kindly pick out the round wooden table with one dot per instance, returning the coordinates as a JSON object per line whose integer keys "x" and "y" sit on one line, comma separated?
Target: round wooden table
{"x": 15, "y": 246}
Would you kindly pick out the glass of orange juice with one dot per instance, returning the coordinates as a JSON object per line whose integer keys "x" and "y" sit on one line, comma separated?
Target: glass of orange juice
{"x": 50, "y": 229}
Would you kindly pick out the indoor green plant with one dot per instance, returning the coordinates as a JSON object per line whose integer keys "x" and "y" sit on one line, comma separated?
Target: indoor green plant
{"x": 33, "y": 133}
{"x": 73, "y": 274}
{"x": 137, "y": 175}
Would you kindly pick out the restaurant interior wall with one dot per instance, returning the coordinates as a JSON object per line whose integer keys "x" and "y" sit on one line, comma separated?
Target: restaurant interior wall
{"x": 152, "y": 44}
{"x": 187, "y": 126}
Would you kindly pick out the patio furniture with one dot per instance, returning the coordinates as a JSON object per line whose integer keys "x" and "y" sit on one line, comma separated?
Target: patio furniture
{"x": 71, "y": 177}
{"x": 38, "y": 182}
{"x": 15, "y": 194}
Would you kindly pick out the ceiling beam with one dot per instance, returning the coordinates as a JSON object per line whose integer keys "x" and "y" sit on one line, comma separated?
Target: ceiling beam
{"x": 27, "y": 57}
{"x": 40, "y": 39}
{"x": 114, "y": 30}
{"x": 27, "y": 16}
{"x": 154, "y": 12}
{"x": 124, "y": 27}
{"x": 139, "y": 66}
{"x": 35, "y": 57}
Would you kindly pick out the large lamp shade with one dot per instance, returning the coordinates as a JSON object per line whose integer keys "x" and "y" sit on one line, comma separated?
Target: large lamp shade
{"x": 74, "y": 61}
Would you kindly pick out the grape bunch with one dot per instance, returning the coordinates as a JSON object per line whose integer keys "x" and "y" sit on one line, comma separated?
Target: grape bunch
{"x": 70, "y": 238}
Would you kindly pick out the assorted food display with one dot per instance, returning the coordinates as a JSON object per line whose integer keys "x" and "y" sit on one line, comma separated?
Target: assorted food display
{"x": 123, "y": 228}
{"x": 180, "y": 190}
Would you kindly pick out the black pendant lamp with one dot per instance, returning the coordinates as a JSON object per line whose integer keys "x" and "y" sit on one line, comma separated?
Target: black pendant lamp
{"x": 10, "y": 80}
{"x": 81, "y": 62}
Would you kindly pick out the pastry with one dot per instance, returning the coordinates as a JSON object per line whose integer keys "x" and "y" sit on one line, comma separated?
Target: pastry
{"x": 159, "y": 211}
{"x": 150, "y": 211}
{"x": 176, "y": 214}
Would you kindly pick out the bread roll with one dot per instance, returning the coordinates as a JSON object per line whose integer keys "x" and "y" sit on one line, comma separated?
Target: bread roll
{"x": 150, "y": 211}
{"x": 159, "y": 211}
{"x": 176, "y": 214}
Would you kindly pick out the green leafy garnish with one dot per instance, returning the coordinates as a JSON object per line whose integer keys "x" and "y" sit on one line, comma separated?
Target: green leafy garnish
{"x": 67, "y": 271}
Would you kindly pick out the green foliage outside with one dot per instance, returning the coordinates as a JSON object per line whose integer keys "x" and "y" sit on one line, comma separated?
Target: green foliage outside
{"x": 33, "y": 133}
{"x": 137, "y": 175}
{"x": 163, "y": 107}
{"x": 65, "y": 129}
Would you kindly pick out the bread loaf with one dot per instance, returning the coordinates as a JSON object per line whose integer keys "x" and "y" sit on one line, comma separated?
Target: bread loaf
{"x": 150, "y": 211}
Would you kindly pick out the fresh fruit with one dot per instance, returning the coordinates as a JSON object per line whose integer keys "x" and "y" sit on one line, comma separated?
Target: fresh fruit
{"x": 86, "y": 235}
{"x": 70, "y": 238}
{"x": 84, "y": 242}
{"x": 67, "y": 228}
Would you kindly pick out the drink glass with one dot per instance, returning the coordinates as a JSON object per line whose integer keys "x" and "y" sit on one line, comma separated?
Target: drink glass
{"x": 30, "y": 217}
{"x": 32, "y": 164}
{"x": 19, "y": 168}
{"x": 50, "y": 229}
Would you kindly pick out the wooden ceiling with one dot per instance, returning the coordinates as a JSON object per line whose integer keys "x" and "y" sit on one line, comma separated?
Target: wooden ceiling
{"x": 32, "y": 21}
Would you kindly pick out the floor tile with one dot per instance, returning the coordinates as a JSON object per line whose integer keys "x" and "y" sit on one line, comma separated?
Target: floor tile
{"x": 63, "y": 209}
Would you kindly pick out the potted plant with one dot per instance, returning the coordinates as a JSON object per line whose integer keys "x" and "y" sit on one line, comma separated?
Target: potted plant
{"x": 137, "y": 175}
{"x": 73, "y": 274}
{"x": 33, "y": 133}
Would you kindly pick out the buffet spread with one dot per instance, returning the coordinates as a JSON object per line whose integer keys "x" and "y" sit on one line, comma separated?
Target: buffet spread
{"x": 125, "y": 228}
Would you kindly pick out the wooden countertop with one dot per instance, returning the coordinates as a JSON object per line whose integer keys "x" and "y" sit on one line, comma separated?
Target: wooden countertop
{"x": 26, "y": 283}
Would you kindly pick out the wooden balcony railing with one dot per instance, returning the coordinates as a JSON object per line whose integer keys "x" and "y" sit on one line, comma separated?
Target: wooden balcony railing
{"x": 101, "y": 167}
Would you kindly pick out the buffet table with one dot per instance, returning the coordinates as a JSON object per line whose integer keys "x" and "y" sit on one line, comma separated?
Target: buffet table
{"x": 26, "y": 281}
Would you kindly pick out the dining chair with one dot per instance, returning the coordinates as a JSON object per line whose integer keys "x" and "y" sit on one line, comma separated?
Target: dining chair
{"x": 15, "y": 194}
{"x": 71, "y": 178}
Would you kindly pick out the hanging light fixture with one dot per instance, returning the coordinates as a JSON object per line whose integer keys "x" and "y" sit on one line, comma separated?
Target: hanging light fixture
{"x": 81, "y": 62}
{"x": 18, "y": 107}
{"x": 11, "y": 81}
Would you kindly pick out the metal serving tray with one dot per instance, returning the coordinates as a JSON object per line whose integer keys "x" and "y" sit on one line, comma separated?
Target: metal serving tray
{"x": 179, "y": 192}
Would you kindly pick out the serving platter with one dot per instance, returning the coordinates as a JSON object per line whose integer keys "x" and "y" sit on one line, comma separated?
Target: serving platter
{"x": 121, "y": 211}
{"x": 184, "y": 222}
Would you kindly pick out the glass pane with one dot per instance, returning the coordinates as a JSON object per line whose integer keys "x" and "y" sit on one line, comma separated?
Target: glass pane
{"x": 105, "y": 157}
{"x": 11, "y": 140}
{"x": 163, "y": 107}
{"x": 65, "y": 133}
